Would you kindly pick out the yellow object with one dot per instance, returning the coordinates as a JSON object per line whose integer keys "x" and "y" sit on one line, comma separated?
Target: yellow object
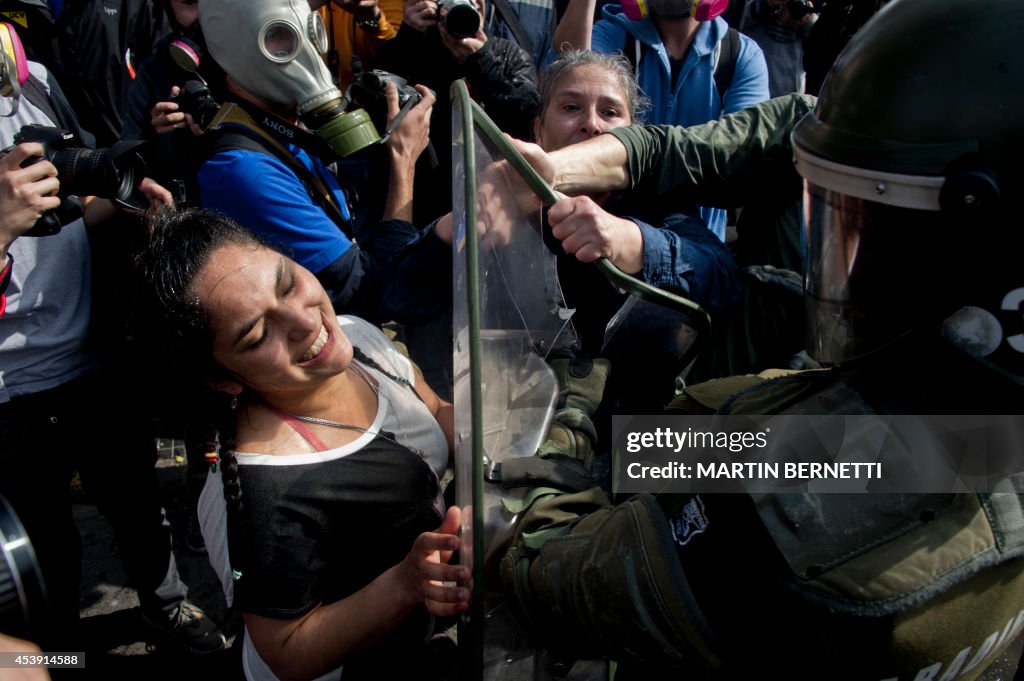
{"x": 20, "y": 18}
{"x": 347, "y": 38}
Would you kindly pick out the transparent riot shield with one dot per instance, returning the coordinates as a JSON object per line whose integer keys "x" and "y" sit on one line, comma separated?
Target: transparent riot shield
{"x": 508, "y": 315}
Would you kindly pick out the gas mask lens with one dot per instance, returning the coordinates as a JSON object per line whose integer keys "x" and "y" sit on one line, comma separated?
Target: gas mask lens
{"x": 280, "y": 41}
{"x": 317, "y": 33}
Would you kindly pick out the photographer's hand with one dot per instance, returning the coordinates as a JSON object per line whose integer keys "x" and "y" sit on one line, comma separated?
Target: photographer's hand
{"x": 412, "y": 134}
{"x": 9, "y": 644}
{"x": 463, "y": 48}
{"x": 420, "y": 14}
{"x": 361, "y": 9}
{"x": 193, "y": 127}
{"x": 165, "y": 116}
{"x": 96, "y": 210}
{"x": 407, "y": 141}
{"x": 159, "y": 197}
{"x": 25, "y": 193}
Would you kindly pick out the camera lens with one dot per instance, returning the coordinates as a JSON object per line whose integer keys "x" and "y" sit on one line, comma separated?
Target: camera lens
{"x": 462, "y": 20}
{"x": 22, "y": 594}
{"x": 98, "y": 172}
{"x": 373, "y": 81}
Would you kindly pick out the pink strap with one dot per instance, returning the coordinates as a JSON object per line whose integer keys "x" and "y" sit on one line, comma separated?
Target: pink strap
{"x": 300, "y": 428}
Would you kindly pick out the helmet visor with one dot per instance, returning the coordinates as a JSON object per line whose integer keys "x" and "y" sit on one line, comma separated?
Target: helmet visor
{"x": 866, "y": 272}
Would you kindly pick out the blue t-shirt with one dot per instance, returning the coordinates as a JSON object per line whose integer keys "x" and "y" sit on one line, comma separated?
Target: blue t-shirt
{"x": 260, "y": 192}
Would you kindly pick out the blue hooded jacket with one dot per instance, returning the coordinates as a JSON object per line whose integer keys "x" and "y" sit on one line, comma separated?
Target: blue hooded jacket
{"x": 695, "y": 98}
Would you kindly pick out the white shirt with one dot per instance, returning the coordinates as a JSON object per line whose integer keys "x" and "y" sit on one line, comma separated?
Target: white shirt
{"x": 399, "y": 411}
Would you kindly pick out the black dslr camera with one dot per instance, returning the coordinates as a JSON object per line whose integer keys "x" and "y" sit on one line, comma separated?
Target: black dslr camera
{"x": 368, "y": 92}
{"x": 113, "y": 173}
{"x": 460, "y": 17}
{"x": 194, "y": 98}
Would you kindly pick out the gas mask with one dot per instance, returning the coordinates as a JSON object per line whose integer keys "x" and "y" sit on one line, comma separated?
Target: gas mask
{"x": 273, "y": 49}
{"x": 13, "y": 66}
{"x": 701, "y": 10}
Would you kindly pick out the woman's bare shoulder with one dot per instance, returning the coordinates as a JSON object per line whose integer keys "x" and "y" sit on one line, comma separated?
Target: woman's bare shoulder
{"x": 260, "y": 431}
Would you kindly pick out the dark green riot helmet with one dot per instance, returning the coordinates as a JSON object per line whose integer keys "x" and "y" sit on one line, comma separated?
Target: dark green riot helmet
{"x": 912, "y": 164}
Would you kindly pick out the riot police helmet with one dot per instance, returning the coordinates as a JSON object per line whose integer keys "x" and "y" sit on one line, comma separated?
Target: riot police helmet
{"x": 911, "y": 160}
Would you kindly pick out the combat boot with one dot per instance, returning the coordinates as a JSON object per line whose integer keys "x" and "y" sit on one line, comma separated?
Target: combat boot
{"x": 609, "y": 585}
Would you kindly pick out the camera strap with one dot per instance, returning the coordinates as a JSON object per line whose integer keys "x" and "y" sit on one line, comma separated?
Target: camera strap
{"x": 55, "y": 107}
{"x": 33, "y": 91}
{"x": 273, "y": 136}
{"x": 285, "y": 132}
{"x": 396, "y": 120}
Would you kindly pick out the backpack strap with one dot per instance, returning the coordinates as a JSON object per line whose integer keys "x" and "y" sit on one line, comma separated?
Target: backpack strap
{"x": 726, "y": 54}
{"x": 233, "y": 128}
{"x": 634, "y": 51}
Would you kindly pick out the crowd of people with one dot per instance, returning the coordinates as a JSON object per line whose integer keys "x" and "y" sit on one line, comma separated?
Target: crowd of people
{"x": 292, "y": 198}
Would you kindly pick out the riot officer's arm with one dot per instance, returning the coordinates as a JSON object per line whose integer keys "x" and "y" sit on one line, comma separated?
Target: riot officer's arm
{"x": 598, "y": 165}
{"x": 720, "y": 163}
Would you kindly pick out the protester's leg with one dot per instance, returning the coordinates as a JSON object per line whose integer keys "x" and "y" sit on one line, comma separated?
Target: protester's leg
{"x": 587, "y": 578}
{"x": 36, "y": 449}
{"x": 122, "y": 479}
{"x": 200, "y": 439}
{"x": 590, "y": 580}
{"x": 117, "y": 470}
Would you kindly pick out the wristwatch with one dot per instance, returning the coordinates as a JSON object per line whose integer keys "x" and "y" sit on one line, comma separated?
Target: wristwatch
{"x": 371, "y": 24}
